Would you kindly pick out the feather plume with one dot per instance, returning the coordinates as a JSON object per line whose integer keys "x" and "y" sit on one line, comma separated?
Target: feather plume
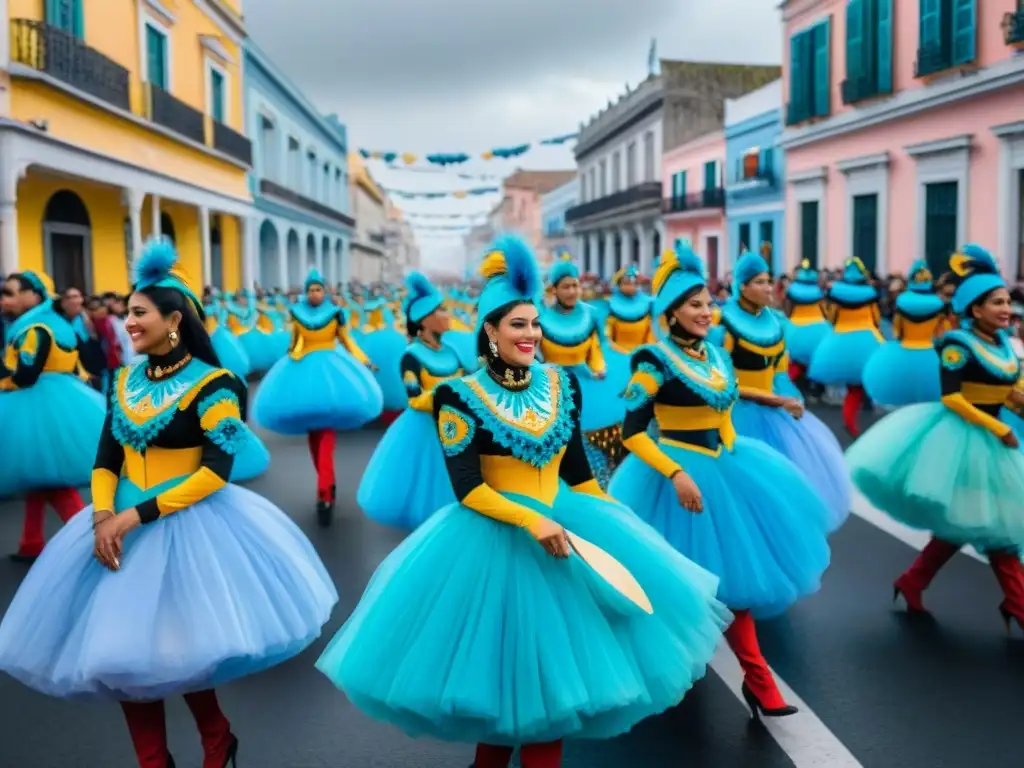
{"x": 156, "y": 262}
{"x": 418, "y": 286}
{"x": 512, "y": 257}
{"x": 683, "y": 259}
{"x": 973, "y": 259}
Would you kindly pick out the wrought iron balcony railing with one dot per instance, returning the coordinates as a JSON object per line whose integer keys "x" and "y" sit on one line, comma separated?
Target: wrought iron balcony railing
{"x": 1013, "y": 27}
{"x": 695, "y": 201}
{"x": 231, "y": 143}
{"x": 173, "y": 113}
{"x": 649, "y": 191}
{"x": 268, "y": 187}
{"x": 63, "y": 56}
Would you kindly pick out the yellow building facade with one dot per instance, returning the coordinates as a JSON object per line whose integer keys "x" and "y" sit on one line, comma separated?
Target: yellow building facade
{"x": 122, "y": 119}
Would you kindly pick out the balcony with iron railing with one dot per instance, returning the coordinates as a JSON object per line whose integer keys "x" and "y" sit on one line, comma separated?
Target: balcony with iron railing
{"x": 706, "y": 199}
{"x": 857, "y": 89}
{"x": 231, "y": 142}
{"x": 648, "y": 192}
{"x": 932, "y": 59}
{"x": 64, "y": 57}
{"x": 173, "y": 113}
{"x": 1013, "y": 27}
{"x": 273, "y": 189}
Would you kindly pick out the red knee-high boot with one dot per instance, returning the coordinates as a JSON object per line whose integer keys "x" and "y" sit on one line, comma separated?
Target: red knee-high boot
{"x": 1010, "y": 575}
{"x": 547, "y": 755}
{"x": 492, "y": 756}
{"x": 66, "y": 501}
{"x": 796, "y": 371}
{"x": 149, "y": 733}
{"x": 759, "y": 688}
{"x": 852, "y": 406}
{"x": 919, "y": 575}
{"x": 32, "y": 538}
{"x": 219, "y": 744}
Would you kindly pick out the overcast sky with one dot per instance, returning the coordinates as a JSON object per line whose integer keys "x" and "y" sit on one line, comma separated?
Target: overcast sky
{"x": 468, "y": 75}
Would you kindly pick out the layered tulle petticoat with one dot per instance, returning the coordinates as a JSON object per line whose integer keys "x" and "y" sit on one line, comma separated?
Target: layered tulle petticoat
{"x": 226, "y": 588}
{"x": 406, "y": 480}
{"x": 898, "y": 376}
{"x": 928, "y": 468}
{"x": 51, "y": 432}
{"x": 763, "y": 529}
{"x": 470, "y": 631}
{"x": 385, "y": 348}
{"x": 603, "y": 405}
{"x": 251, "y": 461}
{"x": 260, "y": 348}
{"x": 326, "y": 389}
{"x": 783, "y": 385}
{"x": 840, "y": 358}
{"x": 802, "y": 340}
{"x": 809, "y": 444}
{"x": 231, "y": 352}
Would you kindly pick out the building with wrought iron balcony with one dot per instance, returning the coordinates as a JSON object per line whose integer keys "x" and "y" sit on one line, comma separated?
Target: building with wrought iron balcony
{"x": 299, "y": 179}
{"x": 107, "y": 139}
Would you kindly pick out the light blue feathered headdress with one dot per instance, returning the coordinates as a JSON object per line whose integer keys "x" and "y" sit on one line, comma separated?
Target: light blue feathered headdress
{"x": 313, "y": 277}
{"x": 749, "y": 266}
{"x": 510, "y": 270}
{"x": 919, "y": 277}
{"x": 158, "y": 267}
{"x": 980, "y": 272}
{"x": 678, "y": 273}
{"x": 422, "y": 297}
{"x": 562, "y": 268}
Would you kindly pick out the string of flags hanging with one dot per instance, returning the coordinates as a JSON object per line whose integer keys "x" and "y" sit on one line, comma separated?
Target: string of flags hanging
{"x": 458, "y": 194}
{"x": 445, "y": 159}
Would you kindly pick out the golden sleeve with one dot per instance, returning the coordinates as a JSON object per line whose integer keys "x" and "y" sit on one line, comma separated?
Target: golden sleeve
{"x": 349, "y": 343}
{"x": 595, "y": 355}
{"x": 640, "y": 394}
{"x": 954, "y": 358}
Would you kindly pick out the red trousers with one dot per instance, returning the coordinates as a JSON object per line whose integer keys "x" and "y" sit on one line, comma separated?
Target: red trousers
{"x": 796, "y": 370}
{"x": 148, "y": 729}
{"x": 321, "y": 449}
{"x": 742, "y": 638}
{"x": 852, "y": 406}
{"x": 547, "y": 755}
{"x": 66, "y": 501}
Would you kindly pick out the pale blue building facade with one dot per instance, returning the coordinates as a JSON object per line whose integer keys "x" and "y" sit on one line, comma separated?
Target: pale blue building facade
{"x": 299, "y": 180}
{"x": 553, "y": 206}
{"x": 755, "y": 174}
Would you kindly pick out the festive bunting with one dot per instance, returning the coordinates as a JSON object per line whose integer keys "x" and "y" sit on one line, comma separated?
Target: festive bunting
{"x": 444, "y": 159}
{"x": 410, "y": 195}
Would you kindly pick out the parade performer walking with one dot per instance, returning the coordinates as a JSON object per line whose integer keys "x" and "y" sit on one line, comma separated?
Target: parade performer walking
{"x": 173, "y": 581}
{"x": 840, "y": 357}
{"x": 906, "y": 369}
{"x": 410, "y": 448}
{"x": 573, "y": 339}
{"x": 516, "y": 641}
{"x": 319, "y": 388}
{"x": 229, "y": 349}
{"x": 734, "y": 505}
{"x": 51, "y": 418}
{"x": 383, "y": 344}
{"x": 754, "y": 337}
{"x": 952, "y": 467}
{"x": 807, "y": 323}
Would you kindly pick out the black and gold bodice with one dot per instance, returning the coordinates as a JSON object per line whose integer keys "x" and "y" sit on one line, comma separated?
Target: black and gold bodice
{"x": 39, "y": 342}
{"x": 517, "y": 432}
{"x": 423, "y": 368}
{"x": 977, "y": 377}
{"x": 755, "y": 340}
{"x": 321, "y": 328}
{"x": 173, "y": 428}
{"x": 853, "y": 307}
{"x": 689, "y": 391}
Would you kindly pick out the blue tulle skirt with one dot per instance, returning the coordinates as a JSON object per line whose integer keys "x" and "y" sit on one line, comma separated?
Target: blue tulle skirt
{"x": 897, "y": 376}
{"x": 841, "y": 357}
{"x": 385, "y": 348}
{"x": 802, "y": 340}
{"x": 51, "y": 431}
{"x": 1016, "y": 423}
{"x": 406, "y": 480}
{"x": 224, "y": 589}
{"x": 464, "y": 344}
{"x": 619, "y": 371}
{"x": 809, "y": 444}
{"x": 327, "y": 389}
{"x": 763, "y": 530}
{"x": 231, "y": 352}
{"x": 783, "y": 385}
{"x": 603, "y": 405}
{"x": 252, "y": 461}
{"x": 261, "y": 349}
{"x": 469, "y": 631}
{"x": 928, "y": 468}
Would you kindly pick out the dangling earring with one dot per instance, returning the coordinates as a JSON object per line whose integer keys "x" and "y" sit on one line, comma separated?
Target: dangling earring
{"x": 493, "y": 347}
{"x": 173, "y": 338}
{"x": 673, "y": 321}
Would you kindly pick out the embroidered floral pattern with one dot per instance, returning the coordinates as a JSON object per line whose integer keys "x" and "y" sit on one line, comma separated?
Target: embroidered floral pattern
{"x": 638, "y": 391}
{"x": 230, "y": 435}
{"x": 220, "y": 396}
{"x": 998, "y": 360}
{"x": 712, "y": 380}
{"x": 954, "y": 357}
{"x": 455, "y": 430}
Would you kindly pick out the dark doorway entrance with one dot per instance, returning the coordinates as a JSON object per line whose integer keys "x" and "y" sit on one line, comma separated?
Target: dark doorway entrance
{"x": 67, "y": 242}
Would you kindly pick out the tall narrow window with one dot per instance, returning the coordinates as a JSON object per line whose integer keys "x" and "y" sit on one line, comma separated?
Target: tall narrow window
{"x": 66, "y": 15}
{"x": 865, "y": 230}
{"x": 809, "y": 232}
{"x": 217, "y": 95}
{"x": 940, "y": 224}
{"x": 156, "y": 57}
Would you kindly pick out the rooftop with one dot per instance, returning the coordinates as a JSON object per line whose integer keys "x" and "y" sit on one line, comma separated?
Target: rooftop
{"x": 539, "y": 181}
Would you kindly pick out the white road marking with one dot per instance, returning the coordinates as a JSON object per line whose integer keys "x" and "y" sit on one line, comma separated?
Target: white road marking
{"x": 804, "y": 738}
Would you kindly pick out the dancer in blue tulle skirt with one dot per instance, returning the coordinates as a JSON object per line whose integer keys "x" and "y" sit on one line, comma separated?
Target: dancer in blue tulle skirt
{"x": 574, "y": 339}
{"x": 736, "y": 506}
{"x": 807, "y": 325}
{"x": 755, "y": 340}
{"x": 320, "y": 388}
{"x": 174, "y": 581}
{"x": 953, "y": 467}
{"x": 906, "y": 369}
{"x": 840, "y": 358}
{"x": 410, "y": 448}
{"x": 383, "y": 344}
{"x": 481, "y": 626}
{"x": 229, "y": 349}
{"x": 51, "y": 418}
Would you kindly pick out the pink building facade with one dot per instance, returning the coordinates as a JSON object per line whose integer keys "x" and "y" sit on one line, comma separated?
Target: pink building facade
{"x": 694, "y": 211}
{"x": 905, "y": 131}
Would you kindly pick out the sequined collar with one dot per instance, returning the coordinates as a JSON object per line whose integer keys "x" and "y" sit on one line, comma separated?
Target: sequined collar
{"x": 511, "y": 377}
{"x": 163, "y": 366}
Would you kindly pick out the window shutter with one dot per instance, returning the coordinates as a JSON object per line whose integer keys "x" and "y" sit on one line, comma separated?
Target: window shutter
{"x": 855, "y": 51}
{"x": 797, "y": 96}
{"x": 964, "y": 31}
{"x": 884, "y": 61}
{"x": 930, "y": 34}
{"x": 822, "y": 79}
{"x": 709, "y": 175}
{"x": 767, "y": 159}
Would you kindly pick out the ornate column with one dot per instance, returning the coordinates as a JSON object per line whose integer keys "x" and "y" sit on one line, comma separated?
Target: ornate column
{"x": 608, "y": 263}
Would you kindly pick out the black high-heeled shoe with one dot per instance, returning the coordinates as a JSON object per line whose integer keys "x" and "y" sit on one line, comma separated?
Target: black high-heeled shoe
{"x": 758, "y": 710}
{"x": 232, "y": 755}
{"x": 1008, "y": 618}
{"x": 170, "y": 760}
{"x": 324, "y": 513}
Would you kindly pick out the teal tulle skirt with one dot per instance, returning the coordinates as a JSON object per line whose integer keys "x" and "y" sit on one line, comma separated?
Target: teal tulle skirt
{"x": 898, "y": 376}
{"x": 224, "y": 589}
{"x": 326, "y": 389}
{"x": 603, "y": 405}
{"x": 262, "y": 349}
{"x": 51, "y": 431}
{"x": 928, "y": 468}
{"x": 409, "y": 451}
{"x": 763, "y": 530}
{"x": 385, "y": 348}
{"x": 840, "y": 358}
{"x": 252, "y": 461}
{"x": 469, "y": 631}
{"x": 230, "y": 352}
{"x": 802, "y": 340}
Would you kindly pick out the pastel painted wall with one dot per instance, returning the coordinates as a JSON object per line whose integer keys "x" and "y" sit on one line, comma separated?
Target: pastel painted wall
{"x": 691, "y": 158}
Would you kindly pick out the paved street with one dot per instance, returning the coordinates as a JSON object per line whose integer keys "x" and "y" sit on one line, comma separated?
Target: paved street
{"x": 881, "y": 689}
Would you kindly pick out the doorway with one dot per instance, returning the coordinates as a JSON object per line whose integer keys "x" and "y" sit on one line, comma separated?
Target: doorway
{"x": 711, "y": 254}
{"x": 216, "y": 255}
{"x": 67, "y": 242}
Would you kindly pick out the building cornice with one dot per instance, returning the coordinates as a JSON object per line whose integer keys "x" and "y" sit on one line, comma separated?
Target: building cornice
{"x": 229, "y": 22}
{"x": 645, "y": 100}
{"x": 1009, "y": 130}
{"x": 863, "y": 163}
{"x": 810, "y": 175}
{"x": 953, "y": 144}
{"x": 212, "y": 44}
{"x": 160, "y": 9}
{"x": 701, "y": 142}
{"x": 1005, "y": 74}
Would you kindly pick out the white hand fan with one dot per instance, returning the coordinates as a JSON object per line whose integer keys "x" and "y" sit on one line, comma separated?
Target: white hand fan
{"x": 611, "y": 570}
